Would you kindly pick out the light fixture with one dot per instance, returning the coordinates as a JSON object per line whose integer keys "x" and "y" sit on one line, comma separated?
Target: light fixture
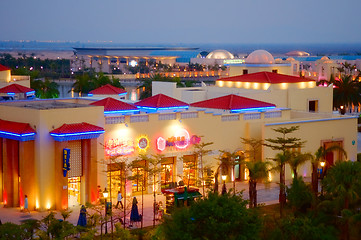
{"x": 224, "y": 177}
{"x": 105, "y": 193}
{"x": 323, "y": 164}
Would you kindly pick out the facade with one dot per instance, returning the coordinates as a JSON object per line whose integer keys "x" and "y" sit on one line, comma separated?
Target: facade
{"x": 103, "y": 137}
{"x": 6, "y": 78}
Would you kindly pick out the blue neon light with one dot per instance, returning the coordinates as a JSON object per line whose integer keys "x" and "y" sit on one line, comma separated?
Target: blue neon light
{"x": 90, "y": 94}
{"x": 31, "y": 92}
{"x": 122, "y": 94}
{"x": 11, "y": 93}
{"x": 251, "y": 109}
{"x": 164, "y": 108}
{"x": 121, "y": 111}
{"x": 19, "y": 137}
{"x": 76, "y": 134}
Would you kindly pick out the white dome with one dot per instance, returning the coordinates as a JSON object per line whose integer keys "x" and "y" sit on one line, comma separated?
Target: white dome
{"x": 220, "y": 54}
{"x": 290, "y": 59}
{"x": 260, "y": 57}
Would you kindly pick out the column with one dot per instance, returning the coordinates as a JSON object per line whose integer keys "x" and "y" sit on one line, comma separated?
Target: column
{"x": 27, "y": 173}
{"x": 11, "y": 173}
{"x": 61, "y": 182}
{"x": 89, "y": 159}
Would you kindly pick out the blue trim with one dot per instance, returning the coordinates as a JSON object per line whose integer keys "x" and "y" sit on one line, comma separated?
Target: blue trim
{"x": 11, "y": 93}
{"x": 90, "y": 94}
{"x": 250, "y": 109}
{"x": 122, "y": 111}
{"x": 165, "y": 108}
{"x": 76, "y": 136}
{"x": 19, "y": 137}
{"x": 307, "y": 121}
{"x": 122, "y": 94}
{"x": 31, "y": 92}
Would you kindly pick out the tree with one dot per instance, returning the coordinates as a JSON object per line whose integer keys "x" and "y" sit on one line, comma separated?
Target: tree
{"x": 320, "y": 155}
{"x": 83, "y": 84}
{"x": 224, "y": 164}
{"x": 231, "y": 159}
{"x": 258, "y": 171}
{"x": 214, "y": 217}
{"x": 299, "y": 195}
{"x": 283, "y": 144}
{"x": 296, "y": 160}
{"x": 343, "y": 184}
{"x": 200, "y": 151}
{"x": 45, "y": 89}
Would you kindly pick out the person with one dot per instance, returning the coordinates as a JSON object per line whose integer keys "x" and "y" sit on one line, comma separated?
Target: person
{"x": 82, "y": 217}
{"x": 26, "y": 204}
{"x": 100, "y": 195}
{"x": 134, "y": 214}
{"x": 119, "y": 200}
{"x": 160, "y": 210}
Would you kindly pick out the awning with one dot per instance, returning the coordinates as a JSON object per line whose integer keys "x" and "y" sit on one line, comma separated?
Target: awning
{"x": 16, "y": 131}
{"x": 76, "y": 131}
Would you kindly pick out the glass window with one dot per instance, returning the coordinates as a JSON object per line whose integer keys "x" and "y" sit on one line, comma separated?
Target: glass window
{"x": 189, "y": 170}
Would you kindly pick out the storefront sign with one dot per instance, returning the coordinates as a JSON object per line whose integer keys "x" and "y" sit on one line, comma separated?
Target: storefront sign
{"x": 180, "y": 140}
{"x": 143, "y": 143}
{"x": 119, "y": 147}
{"x": 66, "y": 164}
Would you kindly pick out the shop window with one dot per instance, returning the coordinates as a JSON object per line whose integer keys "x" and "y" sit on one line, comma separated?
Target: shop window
{"x": 275, "y": 71}
{"x": 139, "y": 176}
{"x": 75, "y": 160}
{"x": 189, "y": 170}
{"x": 245, "y": 71}
{"x": 313, "y": 106}
{"x": 167, "y": 173}
{"x": 115, "y": 178}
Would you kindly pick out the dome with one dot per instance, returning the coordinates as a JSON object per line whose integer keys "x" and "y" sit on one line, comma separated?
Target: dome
{"x": 278, "y": 60}
{"x": 220, "y": 54}
{"x": 298, "y": 54}
{"x": 290, "y": 59}
{"x": 324, "y": 58}
{"x": 260, "y": 57}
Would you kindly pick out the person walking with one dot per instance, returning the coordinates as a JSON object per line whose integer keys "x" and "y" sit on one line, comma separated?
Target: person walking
{"x": 135, "y": 217}
{"x": 26, "y": 204}
{"x": 119, "y": 200}
{"x": 82, "y": 217}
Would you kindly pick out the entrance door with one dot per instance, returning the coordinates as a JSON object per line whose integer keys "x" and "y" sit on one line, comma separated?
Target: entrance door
{"x": 73, "y": 191}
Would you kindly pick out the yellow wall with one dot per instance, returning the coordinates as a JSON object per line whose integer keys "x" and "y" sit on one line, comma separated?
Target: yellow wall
{"x": 238, "y": 70}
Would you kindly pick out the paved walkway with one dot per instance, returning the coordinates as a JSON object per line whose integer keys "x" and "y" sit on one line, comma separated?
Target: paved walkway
{"x": 267, "y": 194}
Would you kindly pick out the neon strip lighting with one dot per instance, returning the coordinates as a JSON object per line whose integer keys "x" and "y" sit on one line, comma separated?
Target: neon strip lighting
{"x": 32, "y": 92}
{"x": 251, "y": 109}
{"x": 17, "y": 135}
{"x": 90, "y": 94}
{"x": 121, "y": 111}
{"x": 76, "y": 134}
{"x": 122, "y": 94}
{"x": 11, "y": 93}
{"x": 164, "y": 108}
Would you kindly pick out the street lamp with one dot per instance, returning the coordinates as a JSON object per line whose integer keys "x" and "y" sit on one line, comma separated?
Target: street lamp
{"x": 105, "y": 195}
{"x": 224, "y": 189}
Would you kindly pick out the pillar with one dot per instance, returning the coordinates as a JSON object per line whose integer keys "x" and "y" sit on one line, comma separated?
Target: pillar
{"x": 1, "y": 170}
{"x": 27, "y": 173}
{"x": 11, "y": 173}
{"x": 89, "y": 160}
{"x": 61, "y": 182}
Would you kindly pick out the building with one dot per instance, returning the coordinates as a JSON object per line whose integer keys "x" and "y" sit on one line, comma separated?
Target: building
{"x": 6, "y": 78}
{"x": 99, "y": 139}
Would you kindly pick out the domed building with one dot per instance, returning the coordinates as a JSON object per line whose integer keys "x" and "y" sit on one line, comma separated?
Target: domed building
{"x": 263, "y": 61}
{"x": 324, "y": 67}
{"x": 220, "y": 54}
{"x": 297, "y": 54}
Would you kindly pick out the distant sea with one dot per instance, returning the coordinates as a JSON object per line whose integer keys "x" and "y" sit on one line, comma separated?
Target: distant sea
{"x": 275, "y": 49}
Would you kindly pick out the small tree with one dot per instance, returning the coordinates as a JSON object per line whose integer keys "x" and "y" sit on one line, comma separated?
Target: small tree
{"x": 232, "y": 159}
{"x": 200, "y": 151}
{"x": 258, "y": 171}
{"x": 297, "y": 159}
{"x": 283, "y": 144}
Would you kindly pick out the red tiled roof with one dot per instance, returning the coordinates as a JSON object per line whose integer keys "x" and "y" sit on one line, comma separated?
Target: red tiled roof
{"x": 108, "y": 90}
{"x": 231, "y": 102}
{"x": 15, "y": 88}
{"x": 77, "y": 128}
{"x": 3, "y": 68}
{"x": 111, "y": 104}
{"x": 266, "y": 77}
{"x": 161, "y": 101}
{"x": 15, "y": 127}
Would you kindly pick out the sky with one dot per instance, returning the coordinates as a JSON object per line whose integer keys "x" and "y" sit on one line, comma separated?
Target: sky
{"x": 182, "y": 22}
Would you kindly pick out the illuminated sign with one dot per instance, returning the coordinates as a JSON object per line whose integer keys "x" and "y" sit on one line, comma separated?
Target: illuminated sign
{"x": 66, "y": 164}
{"x": 119, "y": 147}
{"x": 180, "y": 140}
{"x": 143, "y": 143}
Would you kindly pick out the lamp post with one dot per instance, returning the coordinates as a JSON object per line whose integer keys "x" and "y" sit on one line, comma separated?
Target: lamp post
{"x": 224, "y": 188}
{"x": 105, "y": 195}
{"x": 322, "y": 175}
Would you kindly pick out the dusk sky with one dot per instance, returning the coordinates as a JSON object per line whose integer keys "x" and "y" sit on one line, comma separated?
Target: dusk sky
{"x": 187, "y": 21}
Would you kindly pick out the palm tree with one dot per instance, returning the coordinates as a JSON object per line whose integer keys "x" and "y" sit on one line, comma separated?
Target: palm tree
{"x": 297, "y": 159}
{"x": 45, "y": 89}
{"x": 346, "y": 92}
{"x": 224, "y": 164}
{"x": 258, "y": 171}
{"x": 84, "y": 84}
{"x": 343, "y": 183}
{"x": 233, "y": 158}
{"x": 321, "y": 154}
